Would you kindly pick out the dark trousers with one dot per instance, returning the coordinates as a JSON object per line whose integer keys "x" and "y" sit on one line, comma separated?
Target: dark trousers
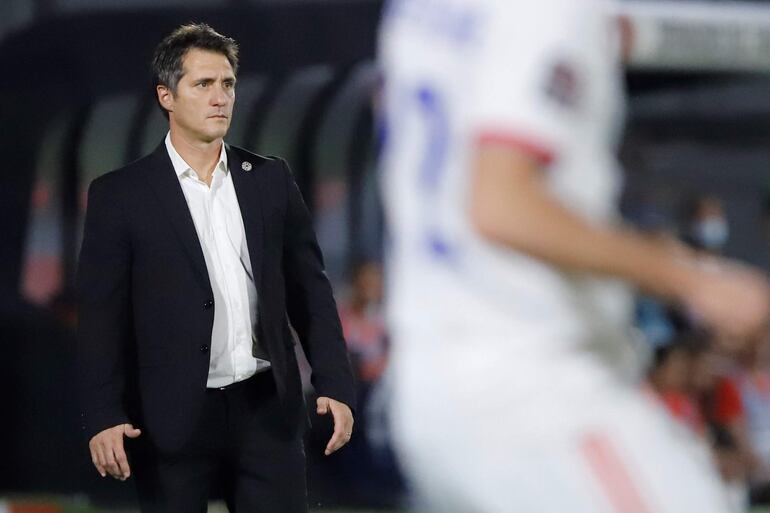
{"x": 240, "y": 446}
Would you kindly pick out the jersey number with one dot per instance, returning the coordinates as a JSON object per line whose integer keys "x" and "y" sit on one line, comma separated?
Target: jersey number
{"x": 432, "y": 167}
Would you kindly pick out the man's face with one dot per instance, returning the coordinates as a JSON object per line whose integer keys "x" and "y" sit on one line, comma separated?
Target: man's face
{"x": 201, "y": 107}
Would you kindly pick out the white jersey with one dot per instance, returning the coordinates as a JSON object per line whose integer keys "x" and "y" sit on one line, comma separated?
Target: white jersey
{"x": 541, "y": 76}
{"x": 496, "y": 406}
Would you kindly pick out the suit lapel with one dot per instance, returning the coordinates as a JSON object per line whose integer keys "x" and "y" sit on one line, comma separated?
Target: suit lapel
{"x": 166, "y": 186}
{"x": 248, "y": 190}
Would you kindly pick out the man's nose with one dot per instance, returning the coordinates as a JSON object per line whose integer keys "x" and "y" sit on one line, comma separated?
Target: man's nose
{"x": 219, "y": 96}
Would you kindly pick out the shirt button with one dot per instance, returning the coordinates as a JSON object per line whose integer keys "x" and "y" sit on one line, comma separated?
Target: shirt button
{"x": 208, "y": 304}
{"x": 204, "y": 348}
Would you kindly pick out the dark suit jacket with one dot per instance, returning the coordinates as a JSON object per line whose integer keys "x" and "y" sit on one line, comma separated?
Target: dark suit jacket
{"x": 146, "y": 308}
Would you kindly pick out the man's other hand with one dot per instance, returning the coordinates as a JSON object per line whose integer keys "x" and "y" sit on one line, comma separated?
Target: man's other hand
{"x": 107, "y": 451}
{"x": 343, "y": 422}
{"x": 732, "y": 299}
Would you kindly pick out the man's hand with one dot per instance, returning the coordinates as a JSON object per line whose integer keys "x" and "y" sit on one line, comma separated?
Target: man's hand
{"x": 343, "y": 422}
{"x": 732, "y": 299}
{"x": 107, "y": 451}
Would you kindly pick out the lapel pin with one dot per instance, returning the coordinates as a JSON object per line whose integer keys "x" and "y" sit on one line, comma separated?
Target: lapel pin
{"x": 246, "y": 166}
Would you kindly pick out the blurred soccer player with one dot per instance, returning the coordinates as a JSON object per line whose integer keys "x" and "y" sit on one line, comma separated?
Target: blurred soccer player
{"x": 513, "y": 371}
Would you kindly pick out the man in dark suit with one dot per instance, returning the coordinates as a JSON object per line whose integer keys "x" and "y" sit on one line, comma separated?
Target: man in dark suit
{"x": 194, "y": 260}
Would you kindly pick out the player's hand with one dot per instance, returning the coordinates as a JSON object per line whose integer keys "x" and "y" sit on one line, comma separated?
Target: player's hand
{"x": 732, "y": 299}
{"x": 107, "y": 451}
{"x": 343, "y": 422}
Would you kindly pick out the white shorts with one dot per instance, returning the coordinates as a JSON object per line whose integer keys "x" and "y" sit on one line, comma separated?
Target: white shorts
{"x": 481, "y": 428}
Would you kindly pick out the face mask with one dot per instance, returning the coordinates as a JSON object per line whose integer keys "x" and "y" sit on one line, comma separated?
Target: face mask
{"x": 712, "y": 233}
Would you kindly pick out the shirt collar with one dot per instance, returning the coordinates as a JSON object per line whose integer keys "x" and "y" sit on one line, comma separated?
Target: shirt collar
{"x": 182, "y": 168}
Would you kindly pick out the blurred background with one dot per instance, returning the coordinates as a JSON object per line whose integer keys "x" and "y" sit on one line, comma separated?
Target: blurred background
{"x": 77, "y": 101}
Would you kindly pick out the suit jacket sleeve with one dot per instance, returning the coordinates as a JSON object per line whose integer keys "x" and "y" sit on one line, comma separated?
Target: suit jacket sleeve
{"x": 310, "y": 303}
{"x": 103, "y": 292}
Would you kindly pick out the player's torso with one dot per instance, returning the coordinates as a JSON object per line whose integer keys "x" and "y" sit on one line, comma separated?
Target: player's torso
{"x": 440, "y": 271}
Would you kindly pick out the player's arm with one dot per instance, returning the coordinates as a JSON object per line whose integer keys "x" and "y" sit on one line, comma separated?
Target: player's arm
{"x": 511, "y": 205}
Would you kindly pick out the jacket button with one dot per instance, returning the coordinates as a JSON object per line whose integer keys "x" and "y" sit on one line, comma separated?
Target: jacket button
{"x": 208, "y": 304}
{"x": 204, "y": 348}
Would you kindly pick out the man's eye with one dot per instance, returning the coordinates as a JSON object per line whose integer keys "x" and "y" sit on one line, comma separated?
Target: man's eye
{"x": 203, "y": 84}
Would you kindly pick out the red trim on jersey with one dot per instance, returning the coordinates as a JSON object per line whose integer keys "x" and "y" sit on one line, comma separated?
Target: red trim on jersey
{"x": 612, "y": 475}
{"x": 542, "y": 154}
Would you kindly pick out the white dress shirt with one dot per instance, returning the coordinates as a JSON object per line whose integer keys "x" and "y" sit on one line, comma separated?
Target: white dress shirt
{"x": 218, "y": 221}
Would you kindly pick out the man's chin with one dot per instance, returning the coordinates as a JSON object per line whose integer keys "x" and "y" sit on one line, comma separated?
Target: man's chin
{"x": 216, "y": 133}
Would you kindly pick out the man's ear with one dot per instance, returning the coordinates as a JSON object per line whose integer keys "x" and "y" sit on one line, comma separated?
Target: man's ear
{"x": 165, "y": 97}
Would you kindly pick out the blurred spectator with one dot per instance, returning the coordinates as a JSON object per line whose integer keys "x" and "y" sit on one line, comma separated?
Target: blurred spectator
{"x": 706, "y": 227}
{"x": 655, "y": 318}
{"x": 701, "y": 387}
{"x": 697, "y": 384}
{"x": 369, "y": 461}
{"x": 671, "y": 379}
{"x": 705, "y": 231}
{"x": 753, "y": 382}
{"x": 715, "y": 385}
{"x": 363, "y": 323}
